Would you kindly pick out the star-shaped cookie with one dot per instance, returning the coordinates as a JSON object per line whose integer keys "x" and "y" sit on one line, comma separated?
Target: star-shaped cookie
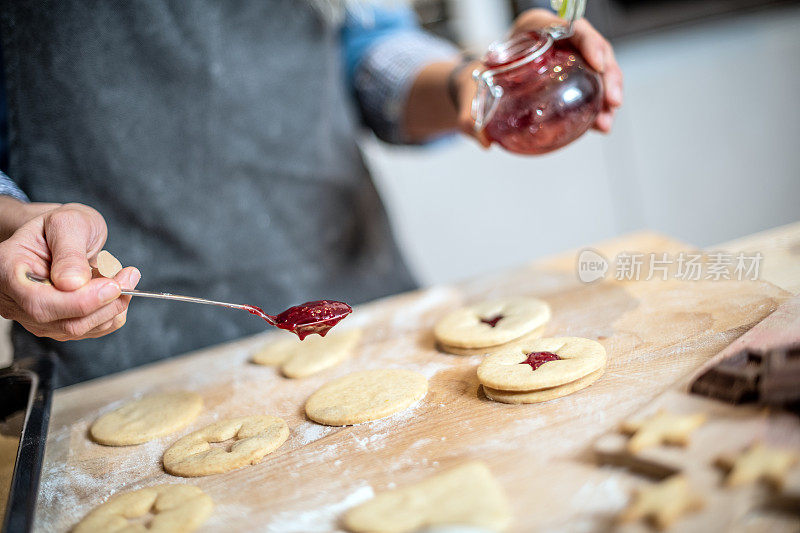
{"x": 662, "y": 428}
{"x": 758, "y": 463}
{"x": 663, "y": 503}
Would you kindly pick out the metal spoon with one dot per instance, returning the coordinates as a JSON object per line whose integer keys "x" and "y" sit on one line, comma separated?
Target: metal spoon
{"x": 310, "y": 317}
{"x": 169, "y": 296}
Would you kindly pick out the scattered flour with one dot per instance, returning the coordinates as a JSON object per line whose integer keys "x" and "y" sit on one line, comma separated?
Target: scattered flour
{"x": 65, "y": 481}
{"x": 421, "y": 442}
{"x": 319, "y": 517}
{"x": 413, "y": 313}
{"x": 430, "y": 368}
{"x": 375, "y": 433}
{"x": 601, "y": 495}
{"x": 325, "y": 454}
{"x": 309, "y": 432}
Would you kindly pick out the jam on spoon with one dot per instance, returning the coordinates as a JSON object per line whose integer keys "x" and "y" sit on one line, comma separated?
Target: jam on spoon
{"x": 537, "y": 359}
{"x": 492, "y": 322}
{"x": 317, "y": 317}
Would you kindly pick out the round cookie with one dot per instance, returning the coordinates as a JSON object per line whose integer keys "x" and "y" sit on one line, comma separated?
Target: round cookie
{"x": 175, "y": 508}
{"x": 299, "y": 359}
{"x": 505, "y": 370}
{"x": 543, "y": 395}
{"x": 364, "y": 396}
{"x": 255, "y": 437}
{"x": 146, "y": 419}
{"x": 276, "y": 352}
{"x": 491, "y": 323}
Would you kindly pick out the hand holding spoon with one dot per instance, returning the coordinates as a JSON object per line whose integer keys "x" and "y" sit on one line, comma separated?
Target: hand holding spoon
{"x": 318, "y": 316}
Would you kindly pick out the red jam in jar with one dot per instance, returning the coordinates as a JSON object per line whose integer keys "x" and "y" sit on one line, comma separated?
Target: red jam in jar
{"x": 535, "y": 94}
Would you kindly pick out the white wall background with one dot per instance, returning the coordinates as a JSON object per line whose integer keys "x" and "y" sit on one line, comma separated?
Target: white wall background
{"x": 706, "y": 148}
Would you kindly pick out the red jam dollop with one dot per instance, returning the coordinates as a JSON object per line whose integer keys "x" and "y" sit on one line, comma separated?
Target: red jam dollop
{"x": 537, "y": 359}
{"x": 492, "y": 322}
{"x": 317, "y": 317}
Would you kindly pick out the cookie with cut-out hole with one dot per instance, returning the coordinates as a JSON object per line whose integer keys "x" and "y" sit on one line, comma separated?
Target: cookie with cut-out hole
{"x": 486, "y": 326}
{"x": 174, "y": 508}
{"x": 541, "y": 364}
{"x": 542, "y": 395}
{"x": 253, "y": 438}
{"x": 663, "y": 503}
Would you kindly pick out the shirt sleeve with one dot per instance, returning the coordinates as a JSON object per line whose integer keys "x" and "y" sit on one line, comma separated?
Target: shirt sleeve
{"x": 9, "y": 188}
{"x": 384, "y": 51}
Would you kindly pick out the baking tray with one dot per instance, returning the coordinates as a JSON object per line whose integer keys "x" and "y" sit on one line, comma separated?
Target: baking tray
{"x": 26, "y": 390}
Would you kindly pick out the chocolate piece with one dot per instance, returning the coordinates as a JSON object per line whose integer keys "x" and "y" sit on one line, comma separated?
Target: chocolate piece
{"x": 734, "y": 380}
{"x": 770, "y": 378}
{"x": 780, "y": 380}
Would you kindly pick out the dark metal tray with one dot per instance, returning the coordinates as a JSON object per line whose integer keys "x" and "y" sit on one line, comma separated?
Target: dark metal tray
{"x": 26, "y": 390}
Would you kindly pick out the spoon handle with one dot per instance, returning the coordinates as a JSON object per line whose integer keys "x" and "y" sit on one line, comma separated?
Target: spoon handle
{"x": 159, "y": 295}
{"x": 179, "y": 298}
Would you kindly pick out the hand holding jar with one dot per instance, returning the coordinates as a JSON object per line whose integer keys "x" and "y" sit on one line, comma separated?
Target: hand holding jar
{"x": 541, "y": 89}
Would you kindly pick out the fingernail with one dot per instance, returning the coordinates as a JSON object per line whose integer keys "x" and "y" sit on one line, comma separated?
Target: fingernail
{"x": 134, "y": 277}
{"x": 616, "y": 94}
{"x": 72, "y": 273}
{"x": 108, "y": 292}
{"x": 600, "y": 58}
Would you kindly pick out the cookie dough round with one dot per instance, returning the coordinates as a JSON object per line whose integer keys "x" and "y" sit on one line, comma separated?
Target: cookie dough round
{"x": 175, "y": 508}
{"x": 299, "y": 359}
{"x": 578, "y": 358}
{"x": 543, "y": 395}
{"x": 364, "y": 396}
{"x": 254, "y": 436}
{"x": 146, "y": 419}
{"x": 491, "y": 323}
{"x": 466, "y": 495}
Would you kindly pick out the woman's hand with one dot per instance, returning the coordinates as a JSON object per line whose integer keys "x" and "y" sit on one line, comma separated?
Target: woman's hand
{"x": 594, "y": 48}
{"x": 58, "y": 243}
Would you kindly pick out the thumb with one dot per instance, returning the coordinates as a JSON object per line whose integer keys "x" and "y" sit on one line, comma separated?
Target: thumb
{"x": 69, "y": 238}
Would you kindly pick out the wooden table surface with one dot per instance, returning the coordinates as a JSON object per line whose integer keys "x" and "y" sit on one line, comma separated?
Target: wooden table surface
{"x": 656, "y": 333}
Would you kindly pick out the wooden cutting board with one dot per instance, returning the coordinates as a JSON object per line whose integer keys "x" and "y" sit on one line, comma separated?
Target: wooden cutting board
{"x": 656, "y": 333}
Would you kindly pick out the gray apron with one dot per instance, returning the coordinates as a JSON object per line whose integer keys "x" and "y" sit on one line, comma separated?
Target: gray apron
{"x": 218, "y": 141}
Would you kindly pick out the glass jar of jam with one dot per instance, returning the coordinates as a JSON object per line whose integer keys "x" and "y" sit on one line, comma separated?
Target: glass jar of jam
{"x": 536, "y": 93}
